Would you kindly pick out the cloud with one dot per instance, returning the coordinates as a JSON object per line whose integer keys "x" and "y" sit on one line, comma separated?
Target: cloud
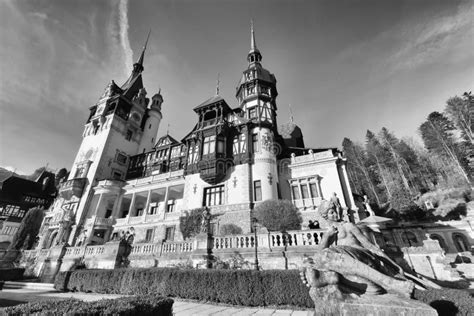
{"x": 40, "y": 15}
{"x": 428, "y": 42}
{"x": 123, "y": 30}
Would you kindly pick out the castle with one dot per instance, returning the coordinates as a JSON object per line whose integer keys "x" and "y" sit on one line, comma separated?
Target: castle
{"x": 125, "y": 179}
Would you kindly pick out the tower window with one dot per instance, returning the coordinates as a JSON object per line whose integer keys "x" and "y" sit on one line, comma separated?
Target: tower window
{"x": 129, "y": 135}
{"x": 96, "y": 128}
{"x": 255, "y": 143}
{"x": 214, "y": 196}
{"x": 253, "y": 112}
{"x": 220, "y": 145}
{"x": 121, "y": 158}
{"x": 257, "y": 190}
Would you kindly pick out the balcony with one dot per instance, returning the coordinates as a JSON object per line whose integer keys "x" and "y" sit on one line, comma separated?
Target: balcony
{"x": 99, "y": 221}
{"x": 72, "y": 187}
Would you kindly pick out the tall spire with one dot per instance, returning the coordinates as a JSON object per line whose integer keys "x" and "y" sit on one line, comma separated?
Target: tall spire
{"x": 253, "y": 45}
{"x": 254, "y": 55}
{"x": 217, "y": 84}
{"x": 138, "y": 66}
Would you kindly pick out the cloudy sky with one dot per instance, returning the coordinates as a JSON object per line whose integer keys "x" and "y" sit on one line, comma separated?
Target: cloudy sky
{"x": 344, "y": 66}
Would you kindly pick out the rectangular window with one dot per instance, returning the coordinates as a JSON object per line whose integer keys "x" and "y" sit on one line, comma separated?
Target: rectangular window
{"x": 314, "y": 190}
{"x": 193, "y": 153}
{"x": 235, "y": 145}
{"x": 252, "y": 112}
{"x": 296, "y": 192}
{"x": 257, "y": 190}
{"x": 170, "y": 206}
{"x": 304, "y": 191}
{"x": 169, "y": 236}
{"x": 214, "y": 196}
{"x": 220, "y": 145}
{"x": 117, "y": 175}
{"x": 209, "y": 145}
{"x": 121, "y": 158}
{"x": 255, "y": 142}
{"x": 129, "y": 135}
{"x": 79, "y": 172}
{"x": 149, "y": 235}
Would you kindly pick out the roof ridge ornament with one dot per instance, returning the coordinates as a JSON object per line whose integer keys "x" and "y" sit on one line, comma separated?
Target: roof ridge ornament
{"x": 217, "y": 84}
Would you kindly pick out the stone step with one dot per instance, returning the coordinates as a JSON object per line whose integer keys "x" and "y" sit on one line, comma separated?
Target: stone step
{"x": 29, "y": 285}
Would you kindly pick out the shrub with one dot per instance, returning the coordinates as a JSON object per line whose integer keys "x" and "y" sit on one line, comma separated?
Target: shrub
{"x": 12, "y": 274}
{"x": 237, "y": 287}
{"x": 137, "y": 305}
{"x": 230, "y": 229}
{"x": 447, "y": 302}
{"x": 278, "y": 215}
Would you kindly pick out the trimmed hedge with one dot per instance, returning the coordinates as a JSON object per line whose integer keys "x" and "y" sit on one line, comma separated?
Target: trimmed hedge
{"x": 137, "y": 305}
{"x": 11, "y": 274}
{"x": 447, "y": 302}
{"x": 236, "y": 287}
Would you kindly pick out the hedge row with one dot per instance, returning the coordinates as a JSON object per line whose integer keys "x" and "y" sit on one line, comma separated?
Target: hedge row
{"x": 144, "y": 305}
{"x": 236, "y": 287}
{"x": 11, "y": 274}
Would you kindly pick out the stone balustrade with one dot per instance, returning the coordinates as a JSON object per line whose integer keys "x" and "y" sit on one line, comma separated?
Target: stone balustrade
{"x": 271, "y": 240}
{"x": 241, "y": 241}
{"x": 72, "y": 252}
{"x": 145, "y": 249}
{"x": 295, "y": 238}
{"x": 176, "y": 247}
{"x": 28, "y": 254}
{"x": 44, "y": 252}
{"x": 94, "y": 251}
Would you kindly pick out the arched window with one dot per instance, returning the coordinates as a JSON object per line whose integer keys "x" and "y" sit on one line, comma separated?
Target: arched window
{"x": 441, "y": 241}
{"x": 460, "y": 241}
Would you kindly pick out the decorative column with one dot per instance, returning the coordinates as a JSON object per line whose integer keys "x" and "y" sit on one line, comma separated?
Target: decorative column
{"x": 130, "y": 208}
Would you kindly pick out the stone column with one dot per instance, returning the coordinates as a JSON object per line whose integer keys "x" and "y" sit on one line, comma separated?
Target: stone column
{"x": 132, "y": 204}
{"x": 347, "y": 188}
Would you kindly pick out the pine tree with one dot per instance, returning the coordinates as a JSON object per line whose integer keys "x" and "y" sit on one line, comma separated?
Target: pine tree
{"x": 376, "y": 157}
{"x": 461, "y": 112}
{"x": 357, "y": 170}
{"x": 437, "y": 134}
{"x": 390, "y": 142}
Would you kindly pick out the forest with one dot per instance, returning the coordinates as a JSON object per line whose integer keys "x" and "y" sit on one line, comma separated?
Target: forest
{"x": 405, "y": 178}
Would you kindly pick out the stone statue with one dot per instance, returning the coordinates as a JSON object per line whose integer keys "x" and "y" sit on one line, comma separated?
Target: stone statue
{"x": 336, "y": 205}
{"x": 206, "y": 219}
{"x": 347, "y": 265}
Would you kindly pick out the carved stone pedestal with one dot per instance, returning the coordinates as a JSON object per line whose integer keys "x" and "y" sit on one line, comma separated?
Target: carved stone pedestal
{"x": 374, "y": 305}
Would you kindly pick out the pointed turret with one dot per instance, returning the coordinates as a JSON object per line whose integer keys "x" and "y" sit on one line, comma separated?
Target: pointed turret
{"x": 138, "y": 66}
{"x": 254, "y": 55}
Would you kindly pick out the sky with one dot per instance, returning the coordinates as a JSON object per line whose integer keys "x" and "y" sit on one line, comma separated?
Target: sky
{"x": 344, "y": 66}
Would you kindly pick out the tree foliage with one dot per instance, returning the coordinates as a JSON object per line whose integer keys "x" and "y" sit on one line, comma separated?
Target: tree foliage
{"x": 230, "y": 229}
{"x": 29, "y": 228}
{"x": 278, "y": 215}
{"x": 191, "y": 223}
{"x": 394, "y": 172}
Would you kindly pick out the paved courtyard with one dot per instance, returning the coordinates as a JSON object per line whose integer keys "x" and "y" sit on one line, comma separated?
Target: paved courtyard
{"x": 10, "y": 297}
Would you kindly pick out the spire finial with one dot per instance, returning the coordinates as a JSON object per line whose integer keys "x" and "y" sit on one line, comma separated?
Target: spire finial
{"x": 291, "y": 113}
{"x": 217, "y": 84}
{"x": 168, "y": 130}
{"x": 142, "y": 55}
{"x": 253, "y": 46}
